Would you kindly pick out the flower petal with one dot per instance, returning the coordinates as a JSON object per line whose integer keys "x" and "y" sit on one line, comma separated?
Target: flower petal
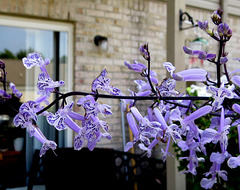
{"x": 132, "y": 124}
{"x": 190, "y": 75}
{"x": 197, "y": 114}
{"x": 47, "y": 145}
{"x": 160, "y": 118}
{"x": 208, "y": 183}
{"x": 170, "y": 68}
{"x": 234, "y": 162}
{"x": 136, "y": 113}
{"x": 183, "y": 145}
{"x": 236, "y": 80}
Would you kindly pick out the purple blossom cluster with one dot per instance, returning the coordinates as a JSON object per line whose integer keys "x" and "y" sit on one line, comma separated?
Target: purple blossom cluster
{"x": 171, "y": 116}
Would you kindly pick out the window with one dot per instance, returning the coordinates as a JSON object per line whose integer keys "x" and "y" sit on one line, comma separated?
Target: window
{"x": 53, "y": 40}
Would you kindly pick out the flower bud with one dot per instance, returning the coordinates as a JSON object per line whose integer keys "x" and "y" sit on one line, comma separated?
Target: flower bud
{"x": 217, "y": 17}
{"x": 144, "y": 51}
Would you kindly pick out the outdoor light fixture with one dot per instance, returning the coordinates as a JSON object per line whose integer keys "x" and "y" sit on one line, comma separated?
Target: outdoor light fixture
{"x": 182, "y": 19}
{"x": 101, "y": 42}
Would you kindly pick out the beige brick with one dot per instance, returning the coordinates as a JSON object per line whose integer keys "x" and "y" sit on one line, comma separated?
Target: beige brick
{"x": 84, "y": 18}
{"x": 104, "y": 7}
{"x": 113, "y": 15}
{"x": 28, "y": 7}
{"x": 95, "y": 13}
{"x": 14, "y": 6}
{"x": 105, "y": 21}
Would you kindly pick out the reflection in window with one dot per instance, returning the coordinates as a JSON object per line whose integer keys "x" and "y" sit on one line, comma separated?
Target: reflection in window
{"x": 16, "y": 43}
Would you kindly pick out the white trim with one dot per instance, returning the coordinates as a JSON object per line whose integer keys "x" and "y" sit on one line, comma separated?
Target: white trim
{"x": 35, "y": 23}
{"x": 42, "y": 24}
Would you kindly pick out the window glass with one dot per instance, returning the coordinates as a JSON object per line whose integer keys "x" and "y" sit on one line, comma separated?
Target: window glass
{"x": 16, "y": 43}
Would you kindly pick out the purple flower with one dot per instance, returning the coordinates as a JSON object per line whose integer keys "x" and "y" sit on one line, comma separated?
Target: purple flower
{"x": 223, "y": 60}
{"x": 167, "y": 88}
{"x": 204, "y": 26}
{"x": 217, "y": 17}
{"x": 171, "y": 130}
{"x": 24, "y": 120}
{"x": 34, "y": 59}
{"x": 144, "y": 51}
{"x": 143, "y": 130}
{"x": 208, "y": 183}
{"x": 215, "y": 122}
{"x": 62, "y": 118}
{"x": 103, "y": 83}
{"x": 135, "y": 66}
{"x": 206, "y": 56}
{"x": 170, "y": 68}
{"x": 211, "y": 135}
{"x": 236, "y": 80}
{"x": 190, "y": 75}
{"x": 233, "y": 162}
{"x": 201, "y": 54}
{"x": 219, "y": 94}
{"x": 90, "y": 132}
{"x": 214, "y": 171}
{"x": 187, "y": 50}
{"x": 219, "y": 158}
{"x": 79, "y": 140}
{"x": 27, "y": 116}
{"x": 149, "y": 148}
{"x": 165, "y": 152}
{"x": 91, "y": 123}
{"x": 133, "y": 125}
{"x": 142, "y": 85}
{"x": 31, "y": 108}
{"x": 46, "y": 144}
{"x": 160, "y": 118}
{"x": 197, "y": 114}
{"x": 4, "y": 94}
{"x": 46, "y": 85}
{"x": 186, "y": 75}
{"x": 15, "y": 91}
{"x": 93, "y": 108}
{"x": 193, "y": 162}
{"x": 193, "y": 146}
{"x": 224, "y": 31}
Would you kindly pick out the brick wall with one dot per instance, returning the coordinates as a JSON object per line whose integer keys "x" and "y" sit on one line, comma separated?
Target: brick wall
{"x": 126, "y": 23}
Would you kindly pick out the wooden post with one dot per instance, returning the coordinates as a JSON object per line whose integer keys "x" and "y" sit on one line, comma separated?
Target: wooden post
{"x": 175, "y": 55}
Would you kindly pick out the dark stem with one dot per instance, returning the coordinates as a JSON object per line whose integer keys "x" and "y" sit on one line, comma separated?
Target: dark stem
{"x": 148, "y": 74}
{"x": 225, "y": 66}
{"x": 64, "y": 96}
{"x": 218, "y": 65}
{"x": 4, "y": 80}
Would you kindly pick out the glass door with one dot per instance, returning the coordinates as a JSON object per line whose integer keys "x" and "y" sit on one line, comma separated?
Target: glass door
{"x": 16, "y": 43}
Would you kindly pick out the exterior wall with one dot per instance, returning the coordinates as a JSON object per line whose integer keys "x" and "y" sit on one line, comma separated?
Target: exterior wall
{"x": 127, "y": 24}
